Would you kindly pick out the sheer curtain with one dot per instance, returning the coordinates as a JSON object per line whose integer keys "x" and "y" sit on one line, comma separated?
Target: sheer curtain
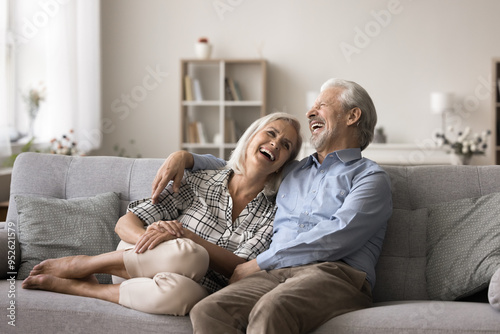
{"x": 4, "y": 117}
{"x": 66, "y": 38}
{"x": 73, "y": 74}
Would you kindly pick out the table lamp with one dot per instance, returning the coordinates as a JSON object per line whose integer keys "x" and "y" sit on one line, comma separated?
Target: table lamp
{"x": 441, "y": 103}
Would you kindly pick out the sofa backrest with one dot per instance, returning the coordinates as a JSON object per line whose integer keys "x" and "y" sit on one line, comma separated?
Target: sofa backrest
{"x": 401, "y": 267}
{"x": 65, "y": 177}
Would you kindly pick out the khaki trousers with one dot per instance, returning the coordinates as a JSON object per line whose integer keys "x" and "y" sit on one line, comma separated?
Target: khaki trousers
{"x": 287, "y": 300}
{"x": 164, "y": 279}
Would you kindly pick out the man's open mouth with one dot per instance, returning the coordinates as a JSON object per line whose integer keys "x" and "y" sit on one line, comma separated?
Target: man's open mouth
{"x": 315, "y": 126}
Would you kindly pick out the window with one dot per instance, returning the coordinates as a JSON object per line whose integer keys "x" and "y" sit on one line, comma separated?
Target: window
{"x": 52, "y": 46}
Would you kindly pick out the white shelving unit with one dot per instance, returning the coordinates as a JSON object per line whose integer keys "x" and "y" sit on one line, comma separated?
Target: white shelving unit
{"x": 220, "y": 119}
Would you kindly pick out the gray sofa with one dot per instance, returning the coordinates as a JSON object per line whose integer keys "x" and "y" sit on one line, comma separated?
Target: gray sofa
{"x": 401, "y": 296}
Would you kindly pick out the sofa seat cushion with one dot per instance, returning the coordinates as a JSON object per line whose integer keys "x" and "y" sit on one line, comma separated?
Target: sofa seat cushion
{"x": 463, "y": 246}
{"x": 417, "y": 317}
{"x": 37, "y": 311}
{"x": 53, "y": 228}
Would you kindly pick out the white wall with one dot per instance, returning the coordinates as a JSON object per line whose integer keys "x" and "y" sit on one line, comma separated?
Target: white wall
{"x": 422, "y": 46}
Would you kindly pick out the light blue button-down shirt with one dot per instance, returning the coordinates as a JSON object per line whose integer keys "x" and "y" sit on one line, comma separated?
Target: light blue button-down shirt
{"x": 337, "y": 210}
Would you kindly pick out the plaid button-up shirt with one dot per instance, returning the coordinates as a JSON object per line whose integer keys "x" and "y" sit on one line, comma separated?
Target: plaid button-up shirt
{"x": 204, "y": 206}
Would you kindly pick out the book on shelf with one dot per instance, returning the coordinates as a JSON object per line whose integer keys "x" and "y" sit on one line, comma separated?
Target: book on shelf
{"x": 232, "y": 90}
{"x": 198, "y": 96}
{"x": 228, "y": 95}
{"x": 498, "y": 92}
{"x": 192, "y": 133}
{"x": 229, "y": 131}
{"x": 188, "y": 88}
{"x": 195, "y": 133}
{"x": 201, "y": 133}
{"x": 237, "y": 91}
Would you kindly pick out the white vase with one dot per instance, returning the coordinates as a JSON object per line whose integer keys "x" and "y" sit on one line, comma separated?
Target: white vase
{"x": 203, "y": 50}
{"x": 460, "y": 159}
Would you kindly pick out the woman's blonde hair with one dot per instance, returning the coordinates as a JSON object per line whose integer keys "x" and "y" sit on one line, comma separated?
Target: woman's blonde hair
{"x": 237, "y": 159}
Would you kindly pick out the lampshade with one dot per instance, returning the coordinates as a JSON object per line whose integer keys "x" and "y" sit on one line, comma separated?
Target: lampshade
{"x": 441, "y": 101}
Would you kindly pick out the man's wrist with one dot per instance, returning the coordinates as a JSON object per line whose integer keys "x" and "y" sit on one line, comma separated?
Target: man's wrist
{"x": 188, "y": 159}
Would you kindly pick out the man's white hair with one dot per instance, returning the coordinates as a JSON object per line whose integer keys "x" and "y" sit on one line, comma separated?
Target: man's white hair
{"x": 353, "y": 95}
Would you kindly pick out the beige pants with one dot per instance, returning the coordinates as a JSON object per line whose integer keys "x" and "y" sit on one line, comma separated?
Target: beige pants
{"x": 287, "y": 300}
{"x": 164, "y": 279}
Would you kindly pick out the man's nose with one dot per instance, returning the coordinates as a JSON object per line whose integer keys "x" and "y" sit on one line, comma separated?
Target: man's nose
{"x": 311, "y": 112}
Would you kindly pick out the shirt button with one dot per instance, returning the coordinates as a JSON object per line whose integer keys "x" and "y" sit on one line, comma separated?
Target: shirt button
{"x": 314, "y": 191}
{"x": 282, "y": 196}
{"x": 301, "y": 225}
{"x": 322, "y": 171}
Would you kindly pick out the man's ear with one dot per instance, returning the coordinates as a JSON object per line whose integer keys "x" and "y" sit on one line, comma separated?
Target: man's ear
{"x": 354, "y": 115}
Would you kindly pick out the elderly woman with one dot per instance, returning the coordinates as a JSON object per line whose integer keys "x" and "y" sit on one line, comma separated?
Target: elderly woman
{"x": 194, "y": 238}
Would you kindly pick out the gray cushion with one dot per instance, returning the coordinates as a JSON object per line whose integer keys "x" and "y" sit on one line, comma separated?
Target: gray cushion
{"x": 400, "y": 269}
{"x": 53, "y": 228}
{"x": 463, "y": 246}
{"x": 494, "y": 290}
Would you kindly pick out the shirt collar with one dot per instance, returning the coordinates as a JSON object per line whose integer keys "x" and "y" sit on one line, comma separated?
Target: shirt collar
{"x": 346, "y": 156}
{"x": 220, "y": 176}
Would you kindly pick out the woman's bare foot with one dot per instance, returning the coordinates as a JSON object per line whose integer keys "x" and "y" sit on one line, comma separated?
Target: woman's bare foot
{"x": 41, "y": 282}
{"x": 78, "y": 287}
{"x": 81, "y": 266}
{"x": 64, "y": 267}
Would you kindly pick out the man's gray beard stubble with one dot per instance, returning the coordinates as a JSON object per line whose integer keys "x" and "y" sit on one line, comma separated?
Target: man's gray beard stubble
{"x": 320, "y": 140}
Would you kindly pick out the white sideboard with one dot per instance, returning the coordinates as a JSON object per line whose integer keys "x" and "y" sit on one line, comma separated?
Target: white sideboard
{"x": 398, "y": 154}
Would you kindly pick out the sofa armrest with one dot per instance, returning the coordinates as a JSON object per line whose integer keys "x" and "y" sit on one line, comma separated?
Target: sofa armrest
{"x": 10, "y": 253}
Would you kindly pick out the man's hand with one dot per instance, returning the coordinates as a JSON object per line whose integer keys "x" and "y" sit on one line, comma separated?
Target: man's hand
{"x": 243, "y": 270}
{"x": 171, "y": 169}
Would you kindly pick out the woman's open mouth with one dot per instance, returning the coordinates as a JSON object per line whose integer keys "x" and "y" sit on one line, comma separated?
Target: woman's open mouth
{"x": 267, "y": 153}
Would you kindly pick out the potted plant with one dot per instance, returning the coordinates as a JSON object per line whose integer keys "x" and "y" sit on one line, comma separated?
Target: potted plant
{"x": 464, "y": 144}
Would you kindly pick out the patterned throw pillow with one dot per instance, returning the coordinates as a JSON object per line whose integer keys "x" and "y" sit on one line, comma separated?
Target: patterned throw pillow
{"x": 463, "y": 246}
{"x": 53, "y": 228}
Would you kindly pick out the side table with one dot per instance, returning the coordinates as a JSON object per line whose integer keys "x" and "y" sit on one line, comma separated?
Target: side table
{"x": 3, "y": 210}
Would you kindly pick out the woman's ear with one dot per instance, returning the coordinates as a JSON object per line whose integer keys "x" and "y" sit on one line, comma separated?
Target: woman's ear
{"x": 354, "y": 115}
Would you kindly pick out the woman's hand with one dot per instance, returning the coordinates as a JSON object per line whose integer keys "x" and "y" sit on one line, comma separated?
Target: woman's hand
{"x": 157, "y": 233}
{"x": 171, "y": 169}
{"x": 171, "y": 226}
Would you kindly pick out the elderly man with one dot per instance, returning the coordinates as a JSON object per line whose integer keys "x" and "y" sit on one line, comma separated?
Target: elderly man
{"x": 333, "y": 208}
